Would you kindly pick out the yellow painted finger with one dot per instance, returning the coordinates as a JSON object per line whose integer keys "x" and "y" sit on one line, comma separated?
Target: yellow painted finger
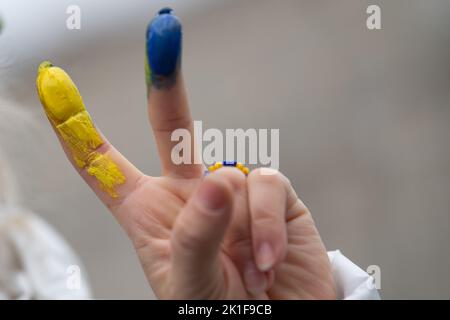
{"x": 65, "y": 109}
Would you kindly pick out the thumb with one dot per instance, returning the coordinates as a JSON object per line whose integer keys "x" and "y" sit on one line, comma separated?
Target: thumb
{"x": 197, "y": 236}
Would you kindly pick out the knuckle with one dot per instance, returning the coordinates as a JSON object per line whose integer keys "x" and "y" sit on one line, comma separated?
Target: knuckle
{"x": 264, "y": 216}
{"x": 275, "y": 179}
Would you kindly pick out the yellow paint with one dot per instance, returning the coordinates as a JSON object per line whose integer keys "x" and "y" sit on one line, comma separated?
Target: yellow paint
{"x": 65, "y": 108}
{"x": 239, "y": 166}
{"x": 107, "y": 173}
{"x": 58, "y": 94}
{"x": 80, "y": 134}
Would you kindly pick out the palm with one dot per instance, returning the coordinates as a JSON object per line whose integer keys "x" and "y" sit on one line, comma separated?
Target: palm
{"x": 306, "y": 272}
{"x": 154, "y": 206}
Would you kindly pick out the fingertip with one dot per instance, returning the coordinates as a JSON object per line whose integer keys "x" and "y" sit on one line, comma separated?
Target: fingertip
{"x": 235, "y": 179}
{"x": 269, "y": 244}
{"x": 256, "y": 281}
{"x": 215, "y": 194}
{"x": 163, "y": 43}
{"x": 270, "y": 251}
{"x": 265, "y": 256}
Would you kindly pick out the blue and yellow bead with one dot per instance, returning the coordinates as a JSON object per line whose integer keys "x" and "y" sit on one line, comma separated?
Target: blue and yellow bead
{"x": 235, "y": 164}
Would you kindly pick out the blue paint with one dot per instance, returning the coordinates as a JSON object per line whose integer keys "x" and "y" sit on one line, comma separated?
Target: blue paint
{"x": 229, "y": 163}
{"x": 164, "y": 40}
{"x": 165, "y": 10}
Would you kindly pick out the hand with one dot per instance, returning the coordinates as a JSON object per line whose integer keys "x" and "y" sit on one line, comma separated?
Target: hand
{"x": 223, "y": 236}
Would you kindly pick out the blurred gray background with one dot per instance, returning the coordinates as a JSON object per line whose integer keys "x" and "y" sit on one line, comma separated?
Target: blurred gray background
{"x": 363, "y": 115}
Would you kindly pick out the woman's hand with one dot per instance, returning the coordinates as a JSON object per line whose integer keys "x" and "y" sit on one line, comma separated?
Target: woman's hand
{"x": 222, "y": 236}
{"x": 227, "y": 237}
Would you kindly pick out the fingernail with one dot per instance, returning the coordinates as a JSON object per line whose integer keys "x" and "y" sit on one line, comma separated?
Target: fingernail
{"x": 266, "y": 257}
{"x": 163, "y": 43}
{"x": 255, "y": 280}
{"x": 212, "y": 196}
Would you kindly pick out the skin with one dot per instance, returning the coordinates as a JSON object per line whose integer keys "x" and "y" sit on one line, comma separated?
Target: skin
{"x": 223, "y": 236}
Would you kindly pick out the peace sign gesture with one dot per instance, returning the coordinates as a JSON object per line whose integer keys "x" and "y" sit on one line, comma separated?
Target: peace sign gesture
{"x": 226, "y": 235}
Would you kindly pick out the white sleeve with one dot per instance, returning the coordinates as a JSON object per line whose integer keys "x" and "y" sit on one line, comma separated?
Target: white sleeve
{"x": 352, "y": 283}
